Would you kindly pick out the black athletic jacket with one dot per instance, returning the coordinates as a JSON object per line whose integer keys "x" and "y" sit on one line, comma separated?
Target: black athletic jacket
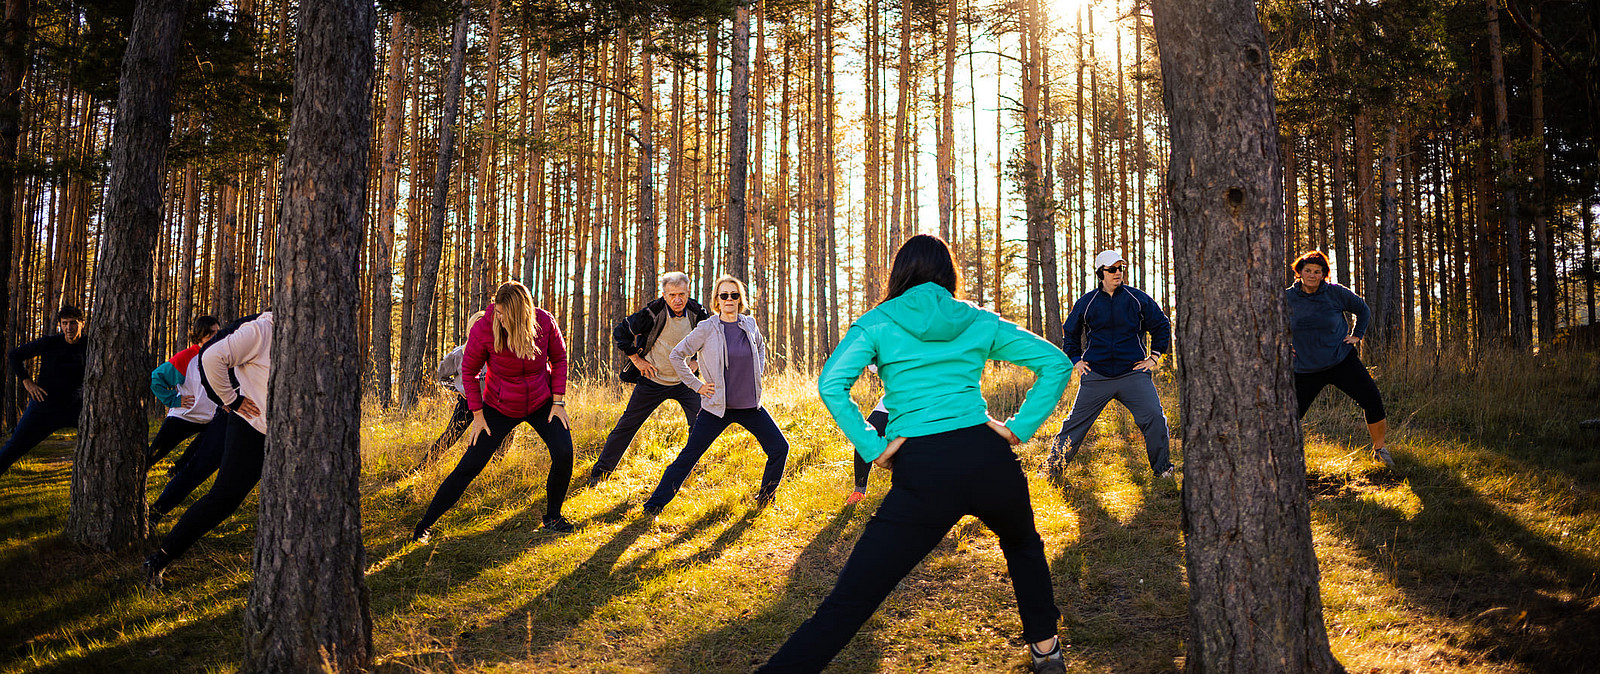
{"x": 637, "y": 333}
{"x": 60, "y": 366}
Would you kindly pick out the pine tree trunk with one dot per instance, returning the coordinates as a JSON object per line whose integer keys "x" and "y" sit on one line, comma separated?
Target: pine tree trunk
{"x": 1543, "y": 254}
{"x": 412, "y": 372}
{"x": 738, "y": 143}
{"x": 308, "y": 607}
{"x": 1254, "y": 601}
{"x": 1387, "y": 312}
{"x": 107, "y": 509}
{"x": 13, "y": 66}
{"x": 394, "y": 108}
{"x": 1521, "y": 323}
{"x": 947, "y": 133}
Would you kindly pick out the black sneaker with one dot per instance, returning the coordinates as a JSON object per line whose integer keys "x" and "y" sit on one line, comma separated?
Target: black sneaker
{"x": 596, "y": 477}
{"x": 1048, "y": 663}
{"x": 650, "y": 510}
{"x": 154, "y": 566}
{"x": 422, "y": 535}
{"x": 558, "y": 524}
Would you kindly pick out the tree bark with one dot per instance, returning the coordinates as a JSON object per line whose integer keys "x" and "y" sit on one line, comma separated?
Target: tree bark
{"x": 394, "y": 108}
{"x": 1254, "y": 600}
{"x": 13, "y": 66}
{"x": 308, "y": 606}
{"x": 1388, "y": 317}
{"x": 107, "y": 509}
{"x": 738, "y": 143}
{"x": 412, "y": 372}
{"x": 947, "y": 133}
{"x": 1521, "y": 324}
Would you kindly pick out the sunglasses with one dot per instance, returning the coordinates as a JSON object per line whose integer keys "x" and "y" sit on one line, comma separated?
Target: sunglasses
{"x": 1113, "y": 270}
{"x": 727, "y": 296}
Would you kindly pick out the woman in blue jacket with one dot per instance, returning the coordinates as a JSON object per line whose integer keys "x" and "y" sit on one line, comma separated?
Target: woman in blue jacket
{"x": 1325, "y": 345}
{"x": 949, "y": 458}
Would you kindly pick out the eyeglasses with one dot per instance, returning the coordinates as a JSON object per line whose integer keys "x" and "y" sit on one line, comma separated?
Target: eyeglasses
{"x": 727, "y": 296}
{"x": 1113, "y": 270}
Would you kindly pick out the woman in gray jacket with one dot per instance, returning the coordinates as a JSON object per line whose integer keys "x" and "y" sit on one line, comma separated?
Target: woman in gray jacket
{"x": 732, "y": 358}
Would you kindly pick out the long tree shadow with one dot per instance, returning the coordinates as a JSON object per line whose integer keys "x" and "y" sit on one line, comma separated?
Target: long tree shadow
{"x": 1121, "y": 585}
{"x": 203, "y": 645}
{"x": 747, "y": 641}
{"x": 1462, "y": 558}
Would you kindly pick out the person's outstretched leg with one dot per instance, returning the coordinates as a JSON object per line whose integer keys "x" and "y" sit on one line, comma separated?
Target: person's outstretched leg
{"x": 706, "y": 430}
{"x": 1000, "y": 499}
{"x": 766, "y": 432}
{"x": 558, "y": 439}
{"x": 243, "y": 455}
{"x": 863, "y": 468}
{"x": 38, "y": 422}
{"x": 1351, "y": 376}
{"x": 198, "y": 462}
{"x": 478, "y": 453}
{"x": 916, "y": 514}
{"x": 173, "y": 432}
{"x": 1094, "y": 393}
{"x": 646, "y": 397}
{"x": 460, "y": 419}
{"x": 1307, "y": 385}
{"x": 689, "y": 400}
{"x": 1137, "y": 391}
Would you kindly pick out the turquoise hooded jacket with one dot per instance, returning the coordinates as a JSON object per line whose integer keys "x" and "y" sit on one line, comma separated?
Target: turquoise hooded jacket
{"x": 930, "y": 350}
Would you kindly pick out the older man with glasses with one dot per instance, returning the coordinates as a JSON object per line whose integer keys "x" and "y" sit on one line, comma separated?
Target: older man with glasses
{"x": 1104, "y": 335}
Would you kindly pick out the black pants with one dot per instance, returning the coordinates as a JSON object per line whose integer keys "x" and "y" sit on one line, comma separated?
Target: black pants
{"x": 173, "y": 432}
{"x": 38, "y": 422}
{"x": 647, "y": 396}
{"x": 937, "y": 480}
{"x": 460, "y": 419}
{"x": 706, "y": 430}
{"x": 880, "y": 421}
{"x": 1349, "y": 376}
{"x": 557, "y": 438}
{"x": 244, "y": 452}
{"x": 194, "y": 465}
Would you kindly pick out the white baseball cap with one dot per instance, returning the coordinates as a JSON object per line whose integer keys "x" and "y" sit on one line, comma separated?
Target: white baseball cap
{"x": 1107, "y": 258}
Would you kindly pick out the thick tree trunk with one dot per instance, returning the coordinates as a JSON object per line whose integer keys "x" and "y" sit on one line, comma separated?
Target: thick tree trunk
{"x": 308, "y": 606}
{"x": 13, "y": 66}
{"x": 1254, "y": 601}
{"x": 394, "y": 108}
{"x": 107, "y": 508}
{"x": 738, "y": 143}
{"x": 1387, "y": 312}
{"x": 1544, "y": 258}
{"x": 412, "y": 372}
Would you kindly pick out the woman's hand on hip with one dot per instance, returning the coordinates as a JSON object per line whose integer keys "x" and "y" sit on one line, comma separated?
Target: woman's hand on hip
{"x": 479, "y": 426}
{"x": 1004, "y": 432}
{"x": 560, "y": 412}
{"x": 886, "y": 459}
{"x": 708, "y": 390}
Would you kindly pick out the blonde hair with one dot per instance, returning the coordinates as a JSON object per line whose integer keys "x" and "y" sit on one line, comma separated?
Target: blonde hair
{"x": 744, "y": 293}
{"x": 513, "y": 306}
{"x": 473, "y": 320}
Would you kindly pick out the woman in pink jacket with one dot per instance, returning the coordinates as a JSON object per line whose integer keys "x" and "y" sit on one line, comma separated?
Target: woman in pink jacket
{"x": 526, "y": 382}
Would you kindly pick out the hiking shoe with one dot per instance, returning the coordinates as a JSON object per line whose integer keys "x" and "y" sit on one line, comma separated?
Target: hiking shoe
{"x": 154, "y": 566}
{"x": 1048, "y": 663}
{"x": 596, "y": 477}
{"x": 558, "y": 524}
{"x": 854, "y": 498}
{"x": 1383, "y": 455}
{"x": 650, "y": 510}
{"x": 422, "y": 535}
{"x": 1168, "y": 474}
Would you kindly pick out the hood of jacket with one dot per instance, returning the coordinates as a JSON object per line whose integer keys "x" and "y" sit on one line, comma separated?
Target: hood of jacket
{"x": 929, "y": 313}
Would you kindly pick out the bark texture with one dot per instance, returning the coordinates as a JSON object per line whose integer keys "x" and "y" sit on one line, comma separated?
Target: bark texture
{"x": 308, "y": 608}
{"x": 107, "y": 508}
{"x": 1254, "y": 602}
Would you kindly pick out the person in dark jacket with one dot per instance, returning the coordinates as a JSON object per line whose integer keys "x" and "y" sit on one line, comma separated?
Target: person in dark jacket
{"x": 1105, "y": 336}
{"x": 56, "y": 396}
{"x": 647, "y": 338}
{"x": 1325, "y": 345}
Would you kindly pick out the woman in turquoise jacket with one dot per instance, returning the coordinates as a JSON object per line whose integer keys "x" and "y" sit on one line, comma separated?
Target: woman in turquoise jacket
{"x": 949, "y": 458}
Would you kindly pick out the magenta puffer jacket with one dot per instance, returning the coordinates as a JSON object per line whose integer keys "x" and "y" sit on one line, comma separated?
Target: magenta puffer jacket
{"x": 515, "y": 386}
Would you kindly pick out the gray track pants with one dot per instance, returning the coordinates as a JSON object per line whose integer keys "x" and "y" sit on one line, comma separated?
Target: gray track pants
{"x": 1136, "y": 391}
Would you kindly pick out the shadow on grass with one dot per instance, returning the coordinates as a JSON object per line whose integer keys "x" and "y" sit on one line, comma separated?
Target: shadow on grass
{"x": 1465, "y": 560}
{"x": 745, "y": 642}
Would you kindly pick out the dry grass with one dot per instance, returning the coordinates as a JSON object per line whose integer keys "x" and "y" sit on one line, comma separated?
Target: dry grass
{"x": 1478, "y": 554}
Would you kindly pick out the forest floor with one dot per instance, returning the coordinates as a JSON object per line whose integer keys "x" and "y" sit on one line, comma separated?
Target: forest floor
{"x": 1480, "y": 552}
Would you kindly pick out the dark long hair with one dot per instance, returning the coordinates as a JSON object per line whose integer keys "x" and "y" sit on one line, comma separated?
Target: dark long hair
{"x": 923, "y": 258}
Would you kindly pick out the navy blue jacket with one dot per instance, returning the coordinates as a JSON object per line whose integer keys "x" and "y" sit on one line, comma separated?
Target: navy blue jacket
{"x": 1108, "y": 330}
{"x": 1317, "y": 325}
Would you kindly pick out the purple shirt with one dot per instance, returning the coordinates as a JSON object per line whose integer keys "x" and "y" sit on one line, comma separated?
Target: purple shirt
{"x": 741, "y": 373}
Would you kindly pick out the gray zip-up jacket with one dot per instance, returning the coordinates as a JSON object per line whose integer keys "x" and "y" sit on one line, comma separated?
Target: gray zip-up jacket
{"x": 707, "y": 340}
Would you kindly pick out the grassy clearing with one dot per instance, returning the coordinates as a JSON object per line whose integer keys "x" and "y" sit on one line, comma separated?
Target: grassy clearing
{"x": 1480, "y": 553}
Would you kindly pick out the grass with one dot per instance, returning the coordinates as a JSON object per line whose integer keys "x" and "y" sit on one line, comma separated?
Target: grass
{"x": 1479, "y": 553}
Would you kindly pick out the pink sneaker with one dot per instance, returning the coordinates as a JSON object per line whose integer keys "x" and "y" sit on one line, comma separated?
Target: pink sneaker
{"x": 854, "y": 498}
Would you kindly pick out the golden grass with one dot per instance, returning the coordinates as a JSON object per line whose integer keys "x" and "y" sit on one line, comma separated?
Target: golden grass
{"x": 1480, "y": 553}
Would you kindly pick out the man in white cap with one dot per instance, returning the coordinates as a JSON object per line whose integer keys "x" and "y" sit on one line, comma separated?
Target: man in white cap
{"x": 1104, "y": 335}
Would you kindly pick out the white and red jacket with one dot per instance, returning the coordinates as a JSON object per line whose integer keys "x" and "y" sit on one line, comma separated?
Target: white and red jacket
{"x": 248, "y": 352}
{"x": 179, "y": 377}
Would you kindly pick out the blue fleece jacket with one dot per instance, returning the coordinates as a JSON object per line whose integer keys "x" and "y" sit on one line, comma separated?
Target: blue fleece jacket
{"x": 1316, "y": 321}
{"x": 1113, "y": 326}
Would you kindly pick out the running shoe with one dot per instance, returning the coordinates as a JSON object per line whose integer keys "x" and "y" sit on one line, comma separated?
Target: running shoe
{"x": 558, "y": 524}
{"x": 854, "y": 498}
{"x": 1383, "y": 455}
{"x": 1048, "y": 663}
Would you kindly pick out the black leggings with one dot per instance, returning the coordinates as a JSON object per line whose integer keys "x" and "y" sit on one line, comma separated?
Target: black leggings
{"x": 194, "y": 465}
{"x": 174, "y": 430}
{"x": 1349, "y": 376}
{"x": 880, "y": 421}
{"x": 938, "y": 479}
{"x": 460, "y": 419}
{"x": 557, "y": 438}
{"x": 244, "y": 451}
